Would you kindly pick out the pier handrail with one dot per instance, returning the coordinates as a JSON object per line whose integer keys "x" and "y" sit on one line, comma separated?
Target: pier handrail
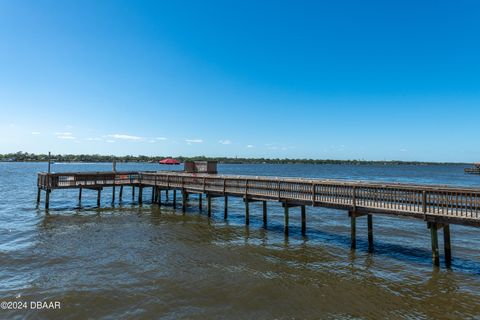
{"x": 399, "y": 198}
{"x": 455, "y": 202}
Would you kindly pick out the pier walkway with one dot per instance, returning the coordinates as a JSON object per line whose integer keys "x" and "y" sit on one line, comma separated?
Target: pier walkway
{"x": 439, "y": 206}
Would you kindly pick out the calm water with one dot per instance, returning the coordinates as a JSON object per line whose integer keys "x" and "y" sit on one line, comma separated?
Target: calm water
{"x": 128, "y": 262}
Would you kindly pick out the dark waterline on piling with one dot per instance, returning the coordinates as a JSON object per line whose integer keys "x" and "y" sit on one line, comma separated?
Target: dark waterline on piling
{"x": 148, "y": 262}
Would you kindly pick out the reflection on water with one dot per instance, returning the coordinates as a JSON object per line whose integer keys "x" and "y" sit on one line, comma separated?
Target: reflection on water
{"x": 150, "y": 262}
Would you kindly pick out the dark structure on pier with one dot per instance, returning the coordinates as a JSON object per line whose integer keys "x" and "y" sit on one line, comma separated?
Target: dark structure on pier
{"x": 438, "y": 206}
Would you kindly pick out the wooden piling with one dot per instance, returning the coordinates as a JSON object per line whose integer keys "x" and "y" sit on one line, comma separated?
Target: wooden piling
{"x": 209, "y": 204}
{"x": 174, "y": 198}
{"x": 184, "y": 200}
{"x": 166, "y": 195}
{"x": 159, "y": 197}
{"x": 370, "y": 232}
{"x": 99, "y": 194}
{"x": 113, "y": 194}
{"x": 264, "y": 206}
{"x": 353, "y": 232}
{"x": 39, "y": 195}
{"x": 304, "y": 220}
{"x": 120, "y": 195}
{"x": 80, "y": 195}
{"x": 447, "y": 246}
{"x": 225, "y": 209}
{"x": 286, "y": 218}
{"x": 47, "y": 199}
{"x": 200, "y": 196}
{"x": 133, "y": 193}
{"x": 434, "y": 238}
{"x": 140, "y": 195}
{"x": 153, "y": 194}
{"x": 247, "y": 212}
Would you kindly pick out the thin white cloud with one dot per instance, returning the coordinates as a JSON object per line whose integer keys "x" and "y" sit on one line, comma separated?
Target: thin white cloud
{"x": 110, "y": 141}
{"x": 225, "y": 142}
{"x": 35, "y": 132}
{"x": 124, "y": 137}
{"x": 249, "y": 145}
{"x": 161, "y": 138}
{"x": 94, "y": 139}
{"x": 193, "y": 140}
{"x": 65, "y": 135}
{"x": 272, "y": 146}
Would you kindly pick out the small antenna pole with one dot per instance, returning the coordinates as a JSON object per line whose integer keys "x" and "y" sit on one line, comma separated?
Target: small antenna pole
{"x": 49, "y": 161}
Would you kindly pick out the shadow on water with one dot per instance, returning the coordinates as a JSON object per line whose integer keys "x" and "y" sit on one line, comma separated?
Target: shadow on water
{"x": 418, "y": 255}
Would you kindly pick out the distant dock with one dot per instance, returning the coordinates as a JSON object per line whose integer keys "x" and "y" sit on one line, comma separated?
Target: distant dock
{"x": 438, "y": 206}
{"x": 474, "y": 170}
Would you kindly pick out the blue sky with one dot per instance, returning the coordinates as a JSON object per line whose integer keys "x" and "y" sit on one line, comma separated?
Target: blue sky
{"x": 368, "y": 80}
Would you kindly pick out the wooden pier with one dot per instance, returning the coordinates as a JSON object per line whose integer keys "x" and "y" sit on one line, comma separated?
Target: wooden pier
{"x": 438, "y": 206}
{"x": 473, "y": 170}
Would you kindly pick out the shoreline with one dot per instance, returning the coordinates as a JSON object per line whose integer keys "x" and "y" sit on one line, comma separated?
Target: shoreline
{"x": 271, "y": 162}
{"x": 96, "y": 158}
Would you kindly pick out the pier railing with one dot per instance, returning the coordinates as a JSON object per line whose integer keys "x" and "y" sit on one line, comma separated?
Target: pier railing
{"x": 405, "y": 199}
{"x": 86, "y": 179}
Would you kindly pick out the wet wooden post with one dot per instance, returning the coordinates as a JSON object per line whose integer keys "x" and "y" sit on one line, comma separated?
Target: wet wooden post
{"x": 304, "y": 220}
{"x": 264, "y": 207}
{"x": 114, "y": 169}
{"x": 225, "y": 209}
{"x": 120, "y": 195}
{"x": 286, "y": 218}
{"x": 80, "y": 195}
{"x": 38, "y": 195}
{"x": 47, "y": 199}
{"x": 370, "y": 232}
{"x": 140, "y": 195}
{"x": 434, "y": 238}
{"x": 113, "y": 194}
{"x": 209, "y": 204}
{"x": 200, "y": 196}
{"x": 49, "y": 162}
{"x": 247, "y": 212}
{"x": 99, "y": 194}
{"x": 447, "y": 246}
{"x": 133, "y": 193}
{"x": 353, "y": 232}
{"x": 166, "y": 195}
{"x": 153, "y": 194}
{"x": 159, "y": 197}
{"x": 184, "y": 200}
{"x": 174, "y": 198}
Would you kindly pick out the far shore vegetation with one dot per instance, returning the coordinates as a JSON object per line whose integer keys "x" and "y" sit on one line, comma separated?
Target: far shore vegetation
{"x": 31, "y": 157}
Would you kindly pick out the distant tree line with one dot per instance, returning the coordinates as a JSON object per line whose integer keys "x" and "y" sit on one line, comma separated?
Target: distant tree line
{"x": 31, "y": 157}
